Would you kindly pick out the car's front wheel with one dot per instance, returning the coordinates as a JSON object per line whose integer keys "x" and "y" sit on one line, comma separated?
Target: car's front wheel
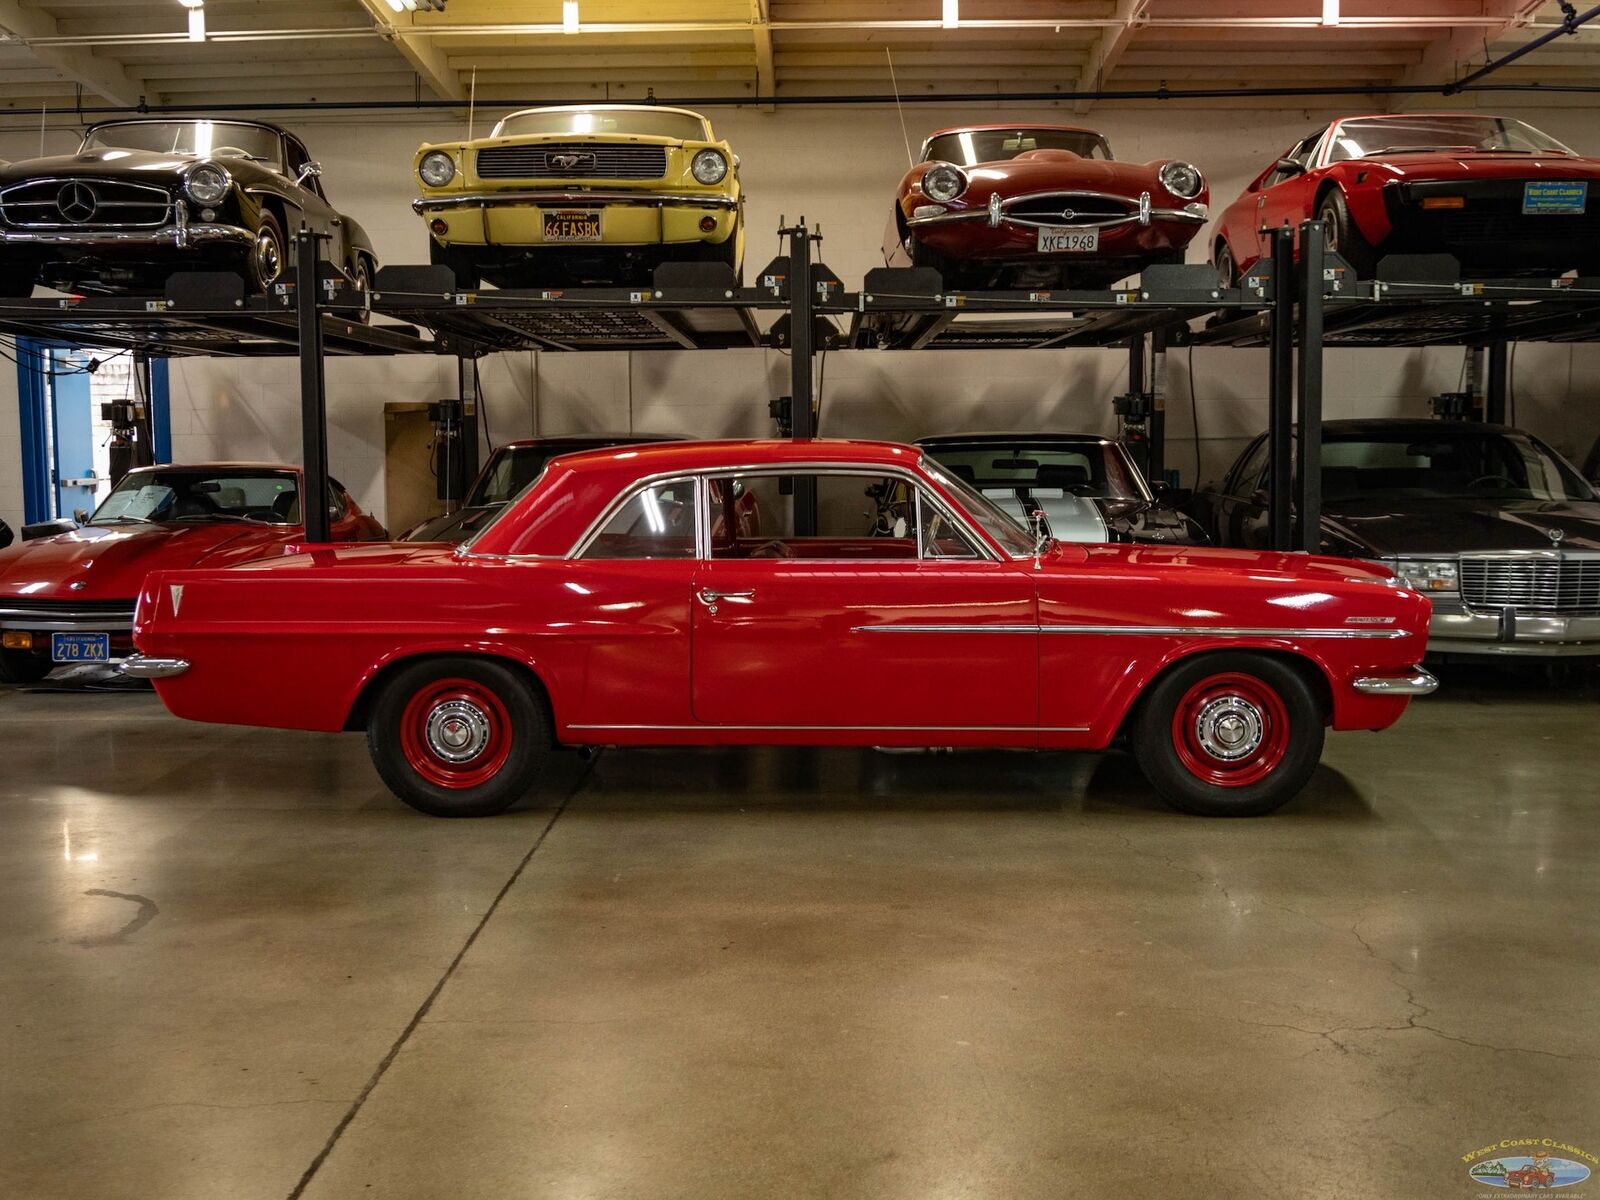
{"x": 1343, "y": 237}
{"x": 462, "y": 261}
{"x": 269, "y": 255}
{"x": 459, "y": 737}
{"x": 1229, "y": 734}
{"x": 23, "y": 667}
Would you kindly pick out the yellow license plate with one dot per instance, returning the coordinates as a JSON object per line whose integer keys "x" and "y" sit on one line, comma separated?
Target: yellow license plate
{"x": 574, "y": 226}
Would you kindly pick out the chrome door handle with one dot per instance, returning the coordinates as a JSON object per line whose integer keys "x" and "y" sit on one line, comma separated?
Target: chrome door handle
{"x": 707, "y": 596}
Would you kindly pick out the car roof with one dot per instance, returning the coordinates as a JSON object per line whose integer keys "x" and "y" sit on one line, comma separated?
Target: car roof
{"x": 218, "y": 466}
{"x": 650, "y": 108}
{"x": 1012, "y": 125}
{"x": 177, "y": 118}
{"x": 1422, "y": 426}
{"x": 998, "y": 438}
{"x": 694, "y": 456}
{"x": 599, "y": 440}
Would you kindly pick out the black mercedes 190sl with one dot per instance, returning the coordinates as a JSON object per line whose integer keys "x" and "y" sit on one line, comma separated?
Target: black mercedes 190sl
{"x": 144, "y": 199}
{"x": 1497, "y": 529}
{"x": 1075, "y": 487}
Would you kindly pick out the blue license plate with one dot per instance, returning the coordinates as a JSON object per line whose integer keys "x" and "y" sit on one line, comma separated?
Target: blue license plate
{"x": 80, "y": 647}
{"x": 1542, "y": 197}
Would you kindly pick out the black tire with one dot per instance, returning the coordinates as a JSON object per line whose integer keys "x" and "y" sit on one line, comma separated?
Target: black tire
{"x": 1227, "y": 268}
{"x": 463, "y": 264}
{"x": 269, "y": 255}
{"x": 361, "y": 276}
{"x": 22, "y": 667}
{"x": 1212, "y": 699}
{"x": 927, "y": 256}
{"x": 17, "y": 280}
{"x": 726, "y": 252}
{"x": 411, "y": 722}
{"x": 1344, "y": 238}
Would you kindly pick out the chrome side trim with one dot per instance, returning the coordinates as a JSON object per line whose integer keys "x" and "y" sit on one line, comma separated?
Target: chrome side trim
{"x": 1415, "y": 682}
{"x": 642, "y": 198}
{"x": 863, "y": 728}
{"x": 140, "y": 667}
{"x": 1139, "y": 630}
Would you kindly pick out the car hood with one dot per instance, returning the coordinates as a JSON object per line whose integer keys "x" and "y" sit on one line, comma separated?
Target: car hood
{"x": 1045, "y": 170}
{"x": 1173, "y": 561}
{"x": 1381, "y": 527}
{"x": 111, "y": 561}
{"x": 453, "y": 527}
{"x": 1486, "y": 164}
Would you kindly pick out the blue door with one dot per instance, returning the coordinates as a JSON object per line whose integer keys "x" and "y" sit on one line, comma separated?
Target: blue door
{"x": 73, "y": 417}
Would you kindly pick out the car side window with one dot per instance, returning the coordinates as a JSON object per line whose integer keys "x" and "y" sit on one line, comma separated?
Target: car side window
{"x": 859, "y": 516}
{"x": 297, "y": 156}
{"x": 1247, "y": 472}
{"x": 656, "y": 522}
{"x": 1301, "y": 153}
{"x": 938, "y": 536}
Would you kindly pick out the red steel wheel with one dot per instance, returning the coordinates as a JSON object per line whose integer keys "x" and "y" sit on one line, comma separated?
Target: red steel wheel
{"x": 456, "y": 733}
{"x": 1231, "y": 730}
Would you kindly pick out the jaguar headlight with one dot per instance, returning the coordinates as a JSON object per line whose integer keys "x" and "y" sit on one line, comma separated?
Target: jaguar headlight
{"x": 1426, "y": 575}
{"x": 207, "y": 184}
{"x": 709, "y": 167}
{"x": 1181, "y": 179}
{"x": 944, "y": 182}
{"x": 436, "y": 168}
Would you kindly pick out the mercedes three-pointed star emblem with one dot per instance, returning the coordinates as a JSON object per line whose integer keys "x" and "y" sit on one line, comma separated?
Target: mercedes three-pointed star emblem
{"x": 77, "y": 201}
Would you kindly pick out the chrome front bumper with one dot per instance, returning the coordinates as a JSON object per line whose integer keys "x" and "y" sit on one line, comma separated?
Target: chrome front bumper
{"x": 1456, "y": 629}
{"x": 1415, "y": 682}
{"x": 548, "y": 199}
{"x": 138, "y": 666}
{"x": 174, "y": 237}
{"x": 65, "y": 621}
{"x": 997, "y": 213}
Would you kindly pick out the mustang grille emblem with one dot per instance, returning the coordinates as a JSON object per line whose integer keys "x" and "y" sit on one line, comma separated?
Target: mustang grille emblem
{"x": 571, "y": 162}
{"x": 77, "y": 202}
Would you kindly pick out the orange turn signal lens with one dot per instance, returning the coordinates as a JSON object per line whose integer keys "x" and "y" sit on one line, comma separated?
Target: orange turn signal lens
{"x": 1444, "y": 202}
{"x": 439, "y": 227}
{"x": 707, "y": 224}
{"x": 12, "y": 640}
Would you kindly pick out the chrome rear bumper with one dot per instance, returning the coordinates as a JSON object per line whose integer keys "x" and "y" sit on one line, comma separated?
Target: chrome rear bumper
{"x": 1415, "y": 682}
{"x": 138, "y": 666}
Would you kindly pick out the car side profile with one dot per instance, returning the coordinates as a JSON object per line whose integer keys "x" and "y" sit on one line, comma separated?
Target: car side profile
{"x": 616, "y": 603}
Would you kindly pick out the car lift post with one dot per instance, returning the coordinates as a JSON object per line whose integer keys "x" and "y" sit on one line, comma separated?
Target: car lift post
{"x": 1307, "y": 493}
{"x": 1494, "y": 404}
{"x": 801, "y": 349}
{"x": 1156, "y": 469}
{"x": 1280, "y": 392}
{"x": 313, "y": 390}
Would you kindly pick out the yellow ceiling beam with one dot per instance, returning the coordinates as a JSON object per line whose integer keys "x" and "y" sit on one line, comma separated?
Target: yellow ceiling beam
{"x": 425, "y": 57}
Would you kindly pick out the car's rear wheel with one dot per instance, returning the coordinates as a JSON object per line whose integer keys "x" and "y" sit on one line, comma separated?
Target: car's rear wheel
{"x": 269, "y": 256}
{"x": 1343, "y": 238}
{"x": 23, "y": 667}
{"x": 1229, "y": 735}
{"x": 459, "y": 737}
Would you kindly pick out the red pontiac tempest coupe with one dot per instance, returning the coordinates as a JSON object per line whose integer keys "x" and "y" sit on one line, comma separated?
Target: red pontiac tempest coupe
{"x": 69, "y": 598}
{"x": 614, "y": 602}
{"x": 1040, "y": 206}
{"x": 1501, "y": 196}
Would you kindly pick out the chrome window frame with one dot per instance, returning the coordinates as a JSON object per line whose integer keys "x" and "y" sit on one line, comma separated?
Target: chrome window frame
{"x": 626, "y": 497}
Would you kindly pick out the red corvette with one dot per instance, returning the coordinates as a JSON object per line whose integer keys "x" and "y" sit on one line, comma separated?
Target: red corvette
{"x": 1040, "y": 206}
{"x": 1501, "y": 196}
{"x": 69, "y": 598}
{"x": 614, "y": 602}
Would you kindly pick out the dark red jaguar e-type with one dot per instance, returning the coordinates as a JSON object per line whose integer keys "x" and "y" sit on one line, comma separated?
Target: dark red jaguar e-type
{"x": 1040, "y": 206}
{"x": 616, "y": 601}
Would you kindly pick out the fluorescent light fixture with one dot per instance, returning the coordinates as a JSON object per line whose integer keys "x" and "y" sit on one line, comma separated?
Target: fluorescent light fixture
{"x": 569, "y": 16}
{"x": 197, "y": 24}
{"x": 952, "y": 13}
{"x": 1330, "y": 12}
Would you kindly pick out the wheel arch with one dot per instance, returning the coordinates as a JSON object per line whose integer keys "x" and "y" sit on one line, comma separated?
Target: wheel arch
{"x": 360, "y": 708}
{"x": 1308, "y": 668}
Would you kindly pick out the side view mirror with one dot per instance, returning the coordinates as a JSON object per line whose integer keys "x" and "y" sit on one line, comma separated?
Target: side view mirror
{"x": 312, "y": 170}
{"x": 81, "y": 515}
{"x": 1291, "y": 166}
{"x": 1259, "y": 496}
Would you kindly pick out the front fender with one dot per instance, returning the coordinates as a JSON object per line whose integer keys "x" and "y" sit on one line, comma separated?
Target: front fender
{"x": 1362, "y": 183}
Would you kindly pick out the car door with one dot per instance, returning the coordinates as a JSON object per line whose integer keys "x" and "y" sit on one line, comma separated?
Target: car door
{"x": 893, "y": 623}
{"x": 1285, "y": 196}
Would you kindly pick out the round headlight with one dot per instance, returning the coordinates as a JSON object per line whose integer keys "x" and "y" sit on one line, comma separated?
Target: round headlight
{"x": 709, "y": 167}
{"x": 436, "y": 168}
{"x": 207, "y": 184}
{"x": 1181, "y": 179}
{"x": 944, "y": 183}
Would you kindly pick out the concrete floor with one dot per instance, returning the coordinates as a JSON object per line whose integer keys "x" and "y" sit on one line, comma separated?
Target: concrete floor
{"x": 232, "y": 966}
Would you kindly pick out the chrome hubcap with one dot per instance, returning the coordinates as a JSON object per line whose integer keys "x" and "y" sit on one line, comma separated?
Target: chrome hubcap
{"x": 1229, "y": 728}
{"x": 268, "y": 258}
{"x": 457, "y": 731}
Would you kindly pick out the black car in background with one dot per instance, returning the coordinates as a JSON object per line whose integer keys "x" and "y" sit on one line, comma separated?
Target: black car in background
{"x": 1498, "y": 530}
{"x": 1079, "y": 487}
{"x": 511, "y": 468}
{"x": 144, "y": 199}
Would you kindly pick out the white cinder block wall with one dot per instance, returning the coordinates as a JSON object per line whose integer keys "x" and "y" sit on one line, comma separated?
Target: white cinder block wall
{"x": 838, "y": 168}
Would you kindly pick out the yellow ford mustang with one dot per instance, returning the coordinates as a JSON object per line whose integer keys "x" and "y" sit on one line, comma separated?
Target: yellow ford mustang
{"x": 582, "y": 194}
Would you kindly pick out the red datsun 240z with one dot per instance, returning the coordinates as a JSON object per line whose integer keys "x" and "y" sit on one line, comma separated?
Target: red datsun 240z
{"x": 616, "y": 602}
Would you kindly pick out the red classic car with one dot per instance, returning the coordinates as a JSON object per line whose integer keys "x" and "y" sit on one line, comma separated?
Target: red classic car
{"x": 614, "y": 603}
{"x": 1501, "y": 196}
{"x": 70, "y": 598}
{"x": 1040, "y": 206}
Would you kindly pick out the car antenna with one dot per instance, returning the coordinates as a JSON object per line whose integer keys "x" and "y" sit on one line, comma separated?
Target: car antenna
{"x": 898, "y": 107}
{"x": 472, "y": 99}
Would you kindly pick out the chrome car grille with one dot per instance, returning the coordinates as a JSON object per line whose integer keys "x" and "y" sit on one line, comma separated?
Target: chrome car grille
{"x": 84, "y": 204}
{"x": 1548, "y": 583}
{"x": 573, "y": 160}
{"x": 1070, "y": 208}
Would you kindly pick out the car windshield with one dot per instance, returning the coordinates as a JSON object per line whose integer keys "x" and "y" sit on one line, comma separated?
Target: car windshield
{"x": 1094, "y": 470}
{"x": 682, "y": 127}
{"x": 180, "y": 494}
{"x": 969, "y": 147}
{"x": 203, "y": 139}
{"x": 1374, "y": 137}
{"x": 1013, "y": 539}
{"x": 1447, "y": 462}
{"x": 511, "y": 470}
